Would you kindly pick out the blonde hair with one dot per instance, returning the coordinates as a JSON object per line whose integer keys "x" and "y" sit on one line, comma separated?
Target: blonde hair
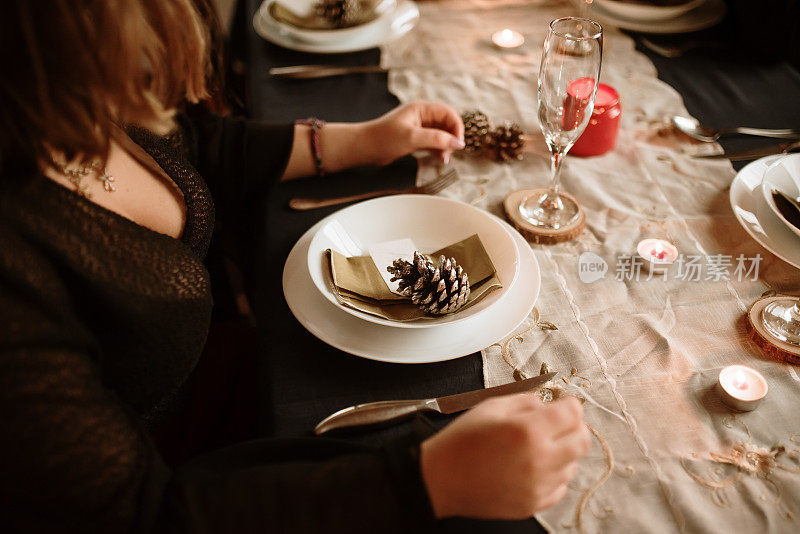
{"x": 78, "y": 67}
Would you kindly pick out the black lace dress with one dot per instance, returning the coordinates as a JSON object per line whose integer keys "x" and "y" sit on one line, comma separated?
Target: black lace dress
{"x": 102, "y": 321}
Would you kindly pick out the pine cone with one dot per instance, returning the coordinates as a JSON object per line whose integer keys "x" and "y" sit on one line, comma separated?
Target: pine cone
{"x": 507, "y": 141}
{"x": 339, "y": 13}
{"x": 436, "y": 288}
{"x": 476, "y": 130}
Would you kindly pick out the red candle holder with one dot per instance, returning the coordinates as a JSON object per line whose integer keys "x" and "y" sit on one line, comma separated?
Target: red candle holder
{"x": 600, "y": 134}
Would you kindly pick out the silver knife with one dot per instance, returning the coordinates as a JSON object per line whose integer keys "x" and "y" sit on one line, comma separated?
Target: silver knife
{"x": 321, "y": 71}
{"x": 754, "y": 153}
{"x": 382, "y": 411}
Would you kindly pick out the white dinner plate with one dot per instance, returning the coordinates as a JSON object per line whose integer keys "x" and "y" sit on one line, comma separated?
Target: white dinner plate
{"x": 646, "y": 11}
{"x": 755, "y": 215}
{"x": 402, "y": 345}
{"x": 431, "y": 222}
{"x": 783, "y": 175}
{"x": 383, "y": 9}
{"x": 703, "y": 16}
{"x": 388, "y": 27}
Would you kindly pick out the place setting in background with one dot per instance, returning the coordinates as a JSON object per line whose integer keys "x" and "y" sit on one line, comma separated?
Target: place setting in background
{"x": 334, "y": 26}
{"x": 656, "y": 16}
{"x": 765, "y": 197}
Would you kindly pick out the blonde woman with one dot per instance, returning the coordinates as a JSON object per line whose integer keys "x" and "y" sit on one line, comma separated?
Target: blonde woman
{"x": 108, "y": 198}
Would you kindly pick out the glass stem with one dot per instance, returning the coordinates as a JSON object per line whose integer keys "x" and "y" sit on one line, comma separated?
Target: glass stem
{"x": 550, "y": 199}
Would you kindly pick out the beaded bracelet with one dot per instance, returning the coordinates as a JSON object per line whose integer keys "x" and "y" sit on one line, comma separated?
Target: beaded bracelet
{"x": 316, "y": 145}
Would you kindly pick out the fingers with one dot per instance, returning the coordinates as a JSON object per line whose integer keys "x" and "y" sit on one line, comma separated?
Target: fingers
{"x": 434, "y": 139}
{"x": 571, "y": 447}
{"x": 557, "y": 419}
{"x": 513, "y": 404}
{"x": 441, "y": 116}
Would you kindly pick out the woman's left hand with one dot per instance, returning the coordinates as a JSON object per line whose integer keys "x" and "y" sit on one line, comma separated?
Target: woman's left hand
{"x": 431, "y": 126}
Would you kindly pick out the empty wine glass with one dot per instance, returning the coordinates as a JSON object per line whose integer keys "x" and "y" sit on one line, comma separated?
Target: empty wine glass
{"x": 781, "y": 318}
{"x": 568, "y": 78}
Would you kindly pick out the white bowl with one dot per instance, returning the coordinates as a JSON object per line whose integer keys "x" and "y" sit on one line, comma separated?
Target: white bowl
{"x": 432, "y": 223}
{"x": 783, "y": 175}
{"x": 645, "y": 11}
{"x": 384, "y": 8}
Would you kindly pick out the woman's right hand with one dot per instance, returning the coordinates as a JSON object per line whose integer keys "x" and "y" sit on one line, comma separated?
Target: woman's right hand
{"x": 507, "y": 458}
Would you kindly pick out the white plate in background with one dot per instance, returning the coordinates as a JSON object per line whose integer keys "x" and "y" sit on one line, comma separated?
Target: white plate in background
{"x": 385, "y": 8}
{"x": 396, "y": 23}
{"x": 783, "y": 175}
{"x": 646, "y": 11}
{"x": 756, "y": 217}
{"x": 703, "y": 16}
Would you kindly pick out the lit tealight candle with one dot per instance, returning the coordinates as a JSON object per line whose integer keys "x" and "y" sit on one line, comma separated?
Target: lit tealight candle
{"x": 657, "y": 252}
{"x": 741, "y": 387}
{"x": 507, "y": 38}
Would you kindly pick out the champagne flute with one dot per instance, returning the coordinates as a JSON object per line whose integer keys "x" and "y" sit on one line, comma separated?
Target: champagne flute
{"x": 568, "y": 79}
{"x": 781, "y": 318}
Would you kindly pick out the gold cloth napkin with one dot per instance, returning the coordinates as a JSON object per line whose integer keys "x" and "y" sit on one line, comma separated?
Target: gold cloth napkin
{"x": 361, "y": 286}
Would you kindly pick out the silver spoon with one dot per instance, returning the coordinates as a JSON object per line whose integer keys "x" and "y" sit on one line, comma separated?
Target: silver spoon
{"x": 694, "y": 129}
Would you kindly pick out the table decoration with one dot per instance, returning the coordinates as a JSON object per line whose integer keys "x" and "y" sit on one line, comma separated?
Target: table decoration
{"x": 742, "y": 387}
{"x": 340, "y": 13}
{"x": 567, "y": 84}
{"x": 476, "y": 130}
{"x": 600, "y": 134}
{"x": 536, "y": 234}
{"x": 657, "y": 253}
{"x": 360, "y": 285}
{"x": 436, "y": 288}
{"x": 501, "y": 143}
{"x": 507, "y": 38}
{"x": 761, "y": 335}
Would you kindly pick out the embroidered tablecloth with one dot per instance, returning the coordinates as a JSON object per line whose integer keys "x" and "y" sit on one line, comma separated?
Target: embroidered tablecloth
{"x": 644, "y": 351}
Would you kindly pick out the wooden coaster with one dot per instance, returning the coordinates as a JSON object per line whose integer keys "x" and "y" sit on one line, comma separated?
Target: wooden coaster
{"x": 758, "y": 333}
{"x": 544, "y": 236}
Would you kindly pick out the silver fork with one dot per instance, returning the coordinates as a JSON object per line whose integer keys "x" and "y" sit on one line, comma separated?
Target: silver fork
{"x": 439, "y": 184}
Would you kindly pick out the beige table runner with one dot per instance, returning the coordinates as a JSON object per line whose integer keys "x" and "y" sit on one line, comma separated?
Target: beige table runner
{"x": 646, "y": 352}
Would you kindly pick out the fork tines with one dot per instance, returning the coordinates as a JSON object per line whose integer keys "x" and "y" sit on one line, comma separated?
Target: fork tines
{"x": 439, "y": 184}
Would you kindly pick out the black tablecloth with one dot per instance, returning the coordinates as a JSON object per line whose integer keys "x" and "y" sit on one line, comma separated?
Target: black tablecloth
{"x": 307, "y": 379}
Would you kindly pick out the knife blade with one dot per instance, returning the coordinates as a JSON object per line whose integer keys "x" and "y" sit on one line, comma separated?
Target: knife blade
{"x": 753, "y": 153}
{"x": 383, "y": 411}
{"x": 306, "y": 72}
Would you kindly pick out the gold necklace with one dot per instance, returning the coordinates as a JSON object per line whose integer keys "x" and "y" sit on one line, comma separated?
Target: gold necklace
{"x": 75, "y": 177}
